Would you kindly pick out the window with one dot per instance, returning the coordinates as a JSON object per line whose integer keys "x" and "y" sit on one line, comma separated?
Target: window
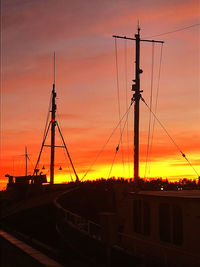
{"x": 137, "y": 215}
{"x": 164, "y": 219}
{"x": 177, "y": 225}
{"x": 147, "y": 218}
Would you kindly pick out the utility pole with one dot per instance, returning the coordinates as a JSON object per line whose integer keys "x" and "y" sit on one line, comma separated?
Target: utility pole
{"x": 136, "y": 98}
{"x": 53, "y": 124}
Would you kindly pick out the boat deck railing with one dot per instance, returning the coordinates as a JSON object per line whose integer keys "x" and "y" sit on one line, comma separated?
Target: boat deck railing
{"x": 82, "y": 224}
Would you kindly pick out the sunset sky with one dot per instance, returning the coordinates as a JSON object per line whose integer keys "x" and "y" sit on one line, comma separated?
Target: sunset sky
{"x": 80, "y": 32}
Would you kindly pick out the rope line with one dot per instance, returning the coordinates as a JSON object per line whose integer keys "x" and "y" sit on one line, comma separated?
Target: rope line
{"x": 68, "y": 165}
{"x": 191, "y": 165}
{"x": 118, "y": 89}
{"x": 183, "y": 155}
{"x": 120, "y": 141}
{"x": 151, "y": 97}
{"x": 177, "y": 30}
{"x": 64, "y": 152}
{"x": 126, "y": 87}
{"x": 30, "y": 161}
{"x": 107, "y": 141}
{"x": 156, "y": 101}
{"x": 116, "y": 150}
{"x": 126, "y": 121}
{"x": 47, "y": 119}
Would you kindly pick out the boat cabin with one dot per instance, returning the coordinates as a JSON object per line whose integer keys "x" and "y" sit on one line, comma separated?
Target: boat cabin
{"x": 21, "y": 181}
{"x": 164, "y": 225}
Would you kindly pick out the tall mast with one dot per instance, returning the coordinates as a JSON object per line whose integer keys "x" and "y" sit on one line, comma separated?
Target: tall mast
{"x": 137, "y": 95}
{"x": 53, "y": 124}
{"x": 136, "y": 98}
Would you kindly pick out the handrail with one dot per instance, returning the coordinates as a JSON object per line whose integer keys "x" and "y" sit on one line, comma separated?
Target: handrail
{"x": 81, "y": 223}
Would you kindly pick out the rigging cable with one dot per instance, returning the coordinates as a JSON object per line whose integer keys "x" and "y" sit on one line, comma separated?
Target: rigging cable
{"x": 43, "y": 141}
{"x": 116, "y": 150}
{"x": 47, "y": 119}
{"x": 120, "y": 141}
{"x": 67, "y": 151}
{"x": 30, "y": 161}
{"x": 126, "y": 87}
{"x": 183, "y": 155}
{"x": 151, "y": 96}
{"x": 64, "y": 152}
{"x": 177, "y": 30}
{"x": 103, "y": 147}
{"x": 156, "y": 102}
{"x": 46, "y": 129}
{"x": 118, "y": 96}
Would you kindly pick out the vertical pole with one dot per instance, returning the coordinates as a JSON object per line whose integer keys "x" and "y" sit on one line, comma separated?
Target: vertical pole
{"x": 26, "y": 156}
{"x": 53, "y": 124}
{"x": 136, "y": 108}
{"x": 136, "y": 99}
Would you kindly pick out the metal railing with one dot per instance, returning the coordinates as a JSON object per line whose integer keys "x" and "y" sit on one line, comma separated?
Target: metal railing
{"x": 81, "y": 223}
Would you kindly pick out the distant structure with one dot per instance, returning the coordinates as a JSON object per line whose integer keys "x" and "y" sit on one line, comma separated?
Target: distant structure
{"x": 21, "y": 182}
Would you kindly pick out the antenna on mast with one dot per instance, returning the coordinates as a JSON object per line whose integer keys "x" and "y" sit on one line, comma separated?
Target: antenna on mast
{"x": 138, "y": 27}
{"x": 54, "y": 67}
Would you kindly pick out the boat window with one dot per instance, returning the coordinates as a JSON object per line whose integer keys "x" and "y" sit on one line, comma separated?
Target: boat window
{"x": 164, "y": 222}
{"x": 177, "y": 225}
{"x": 137, "y": 215}
{"x": 147, "y": 218}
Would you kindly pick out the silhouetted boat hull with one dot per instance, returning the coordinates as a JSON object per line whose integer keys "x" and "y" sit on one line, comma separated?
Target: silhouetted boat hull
{"x": 160, "y": 228}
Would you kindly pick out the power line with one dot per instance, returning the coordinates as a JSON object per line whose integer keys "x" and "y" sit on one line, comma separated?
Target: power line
{"x": 177, "y": 30}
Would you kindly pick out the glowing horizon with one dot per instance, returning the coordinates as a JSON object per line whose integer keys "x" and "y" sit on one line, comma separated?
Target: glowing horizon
{"x": 81, "y": 35}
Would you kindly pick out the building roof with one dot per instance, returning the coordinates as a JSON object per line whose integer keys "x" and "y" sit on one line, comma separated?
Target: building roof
{"x": 177, "y": 194}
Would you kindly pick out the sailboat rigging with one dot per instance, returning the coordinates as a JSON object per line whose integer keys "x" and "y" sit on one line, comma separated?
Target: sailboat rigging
{"x": 137, "y": 96}
{"x": 53, "y": 124}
